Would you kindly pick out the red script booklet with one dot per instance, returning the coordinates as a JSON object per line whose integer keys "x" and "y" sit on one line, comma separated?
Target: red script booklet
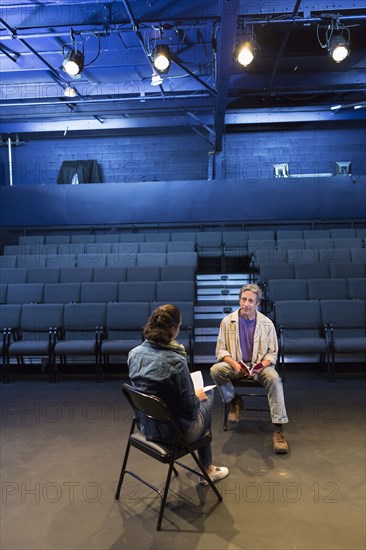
{"x": 251, "y": 371}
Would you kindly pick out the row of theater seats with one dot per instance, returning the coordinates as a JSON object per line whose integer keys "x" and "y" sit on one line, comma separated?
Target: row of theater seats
{"x": 62, "y": 334}
{"x": 291, "y": 252}
{"x": 222, "y": 247}
{"x": 87, "y": 292}
{"x": 308, "y": 271}
{"x": 96, "y": 249}
{"x": 305, "y": 250}
{"x": 314, "y": 289}
{"x": 328, "y": 328}
{"x": 220, "y": 237}
{"x": 315, "y": 270}
{"x": 96, "y": 274}
{"x": 216, "y": 243}
{"x": 252, "y": 246}
{"x": 305, "y": 244}
{"x": 101, "y": 260}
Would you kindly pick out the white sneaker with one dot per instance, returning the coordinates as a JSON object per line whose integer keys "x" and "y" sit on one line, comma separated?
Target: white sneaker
{"x": 215, "y": 475}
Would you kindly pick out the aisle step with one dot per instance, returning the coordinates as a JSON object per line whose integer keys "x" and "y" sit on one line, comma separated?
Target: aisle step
{"x": 217, "y": 296}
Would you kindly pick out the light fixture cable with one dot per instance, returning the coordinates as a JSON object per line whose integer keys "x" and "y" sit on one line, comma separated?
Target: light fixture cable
{"x": 246, "y": 48}
{"x": 74, "y": 59}
{"x": 337, "y": 39}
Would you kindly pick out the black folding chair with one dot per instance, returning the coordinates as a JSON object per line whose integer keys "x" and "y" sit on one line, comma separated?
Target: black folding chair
{"x": 154, "y": 408}
{"x": 246, "y": 384}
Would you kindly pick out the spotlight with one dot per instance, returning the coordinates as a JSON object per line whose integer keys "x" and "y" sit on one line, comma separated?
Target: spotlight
{"x": 73, "y": 63}
{"x": 161, "y": 58}
{"x": 338, "y": 48}
{"x": 244, "y": 53}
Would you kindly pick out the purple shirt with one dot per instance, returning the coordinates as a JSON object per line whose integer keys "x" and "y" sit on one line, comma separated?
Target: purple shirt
{"x": 246, "y": 337}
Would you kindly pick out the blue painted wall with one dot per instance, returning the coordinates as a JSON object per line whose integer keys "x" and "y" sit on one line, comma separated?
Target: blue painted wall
{"x": 121, "y": 159}
{"x": 250, "y": 156}
{"x": 183, "y": 201}
{"x": 244, "y": 190}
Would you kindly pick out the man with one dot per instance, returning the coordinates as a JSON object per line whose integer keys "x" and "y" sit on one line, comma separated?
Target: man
{"x": 250, "y": 337}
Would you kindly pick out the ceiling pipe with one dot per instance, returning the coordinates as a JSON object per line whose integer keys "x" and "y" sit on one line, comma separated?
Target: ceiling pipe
{"x": 296, "y": 20}
{"x": 202, "y": 82}
{"x": 36, "y": 5}
{"x": 118, "y": 29}
{"x": 105, "y": 32}
{"x": 284, "y": 43}
{"x": 176, "y": 61}
{"x": 51, "y": 4}
{"x": 136, "y": 29}
{"x": 23, "y": 103}
{"x": 55, "y": 75}
{"x": 9, "y": 53}
{"x": 86, "y": 100}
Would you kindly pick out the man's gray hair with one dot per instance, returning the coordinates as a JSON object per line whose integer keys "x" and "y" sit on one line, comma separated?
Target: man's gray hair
{"x": 253, "y": 288}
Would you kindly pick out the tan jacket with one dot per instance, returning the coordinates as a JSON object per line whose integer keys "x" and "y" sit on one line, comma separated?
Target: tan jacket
{"x": 265, "y": 339}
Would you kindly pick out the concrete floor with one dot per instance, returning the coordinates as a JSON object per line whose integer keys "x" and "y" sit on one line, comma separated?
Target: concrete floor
{"x": 61, "y": 451}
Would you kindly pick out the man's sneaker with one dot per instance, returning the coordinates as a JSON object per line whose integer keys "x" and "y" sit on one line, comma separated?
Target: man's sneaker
{"x": 235, "y": 408}
{"x": 216, "y": 474}
{"x": 280, "y": 445}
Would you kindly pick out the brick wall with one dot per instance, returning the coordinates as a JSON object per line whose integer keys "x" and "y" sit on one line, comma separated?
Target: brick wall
{"x": 246, "y": 156}
{"x": 121, "y": 159}
{"x": 250, "y": 156}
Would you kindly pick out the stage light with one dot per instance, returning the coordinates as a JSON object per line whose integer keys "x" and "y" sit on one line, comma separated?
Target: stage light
{"x": 338, "y": 48}
{"x": 245, "y": 53}
{"x": 73, "y": 63}
{"x": 161, "y": 58}
{"x": 337, "y": 39}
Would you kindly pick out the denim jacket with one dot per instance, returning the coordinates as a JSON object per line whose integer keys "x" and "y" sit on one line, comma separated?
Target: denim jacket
{"x": 162, "y": 370}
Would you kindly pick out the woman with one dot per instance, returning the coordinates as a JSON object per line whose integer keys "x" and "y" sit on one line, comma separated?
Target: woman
{"x": 159, "y": 367}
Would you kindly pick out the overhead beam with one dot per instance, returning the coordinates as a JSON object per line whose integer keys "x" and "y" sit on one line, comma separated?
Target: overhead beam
{"x": 55, "y": 75}
{"x": 234, "y": 118}
{"x": 135, "y": 28}
{"x": 284, "y": 41}
{"x": 197, "y": 78}
{"x": 228, "y": 13}
{"x": 13, "y": 56}
{"x": 283, "y": 116}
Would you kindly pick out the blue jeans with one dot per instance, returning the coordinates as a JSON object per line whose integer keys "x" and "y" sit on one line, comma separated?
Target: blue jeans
{"x": 222, "y": 374}
{"x": 200, "y": 426}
